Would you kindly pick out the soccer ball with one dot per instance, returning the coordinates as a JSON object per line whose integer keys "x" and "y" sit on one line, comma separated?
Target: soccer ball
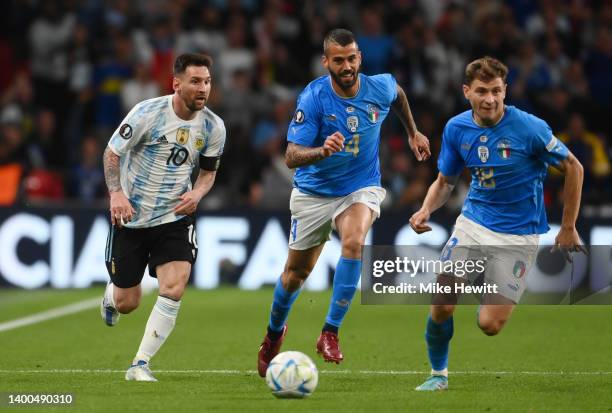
{"x": 292, "y": 375}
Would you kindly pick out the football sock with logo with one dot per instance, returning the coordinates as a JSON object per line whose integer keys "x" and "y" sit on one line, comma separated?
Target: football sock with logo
{"x": 346, "y": 279}
{"x": 283, "y": 300}
{"x": 160, "y": 325}
{"x": 438, "y": 337}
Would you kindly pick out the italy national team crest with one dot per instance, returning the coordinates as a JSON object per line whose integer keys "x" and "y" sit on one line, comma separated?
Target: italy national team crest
{"x": 352, "y": 122}
{"x": 182, "y": 135}
{"x": 483, "y": 153}
{"x": 503, "y": 148}
{"x": 373, "y": 113}
{"x": 519, "y": 269}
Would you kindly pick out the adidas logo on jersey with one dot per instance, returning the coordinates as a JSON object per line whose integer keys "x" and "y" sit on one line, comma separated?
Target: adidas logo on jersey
{"x": 163, "y": 139}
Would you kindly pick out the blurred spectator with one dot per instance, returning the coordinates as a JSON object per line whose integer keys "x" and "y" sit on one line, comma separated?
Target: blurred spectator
{"x": 140, "y": 87}
{"x": 591, "y": 150}
{"x": 86, "y": 181}
{"x": 82, "y": 65}
{"x": 373, "y": 42}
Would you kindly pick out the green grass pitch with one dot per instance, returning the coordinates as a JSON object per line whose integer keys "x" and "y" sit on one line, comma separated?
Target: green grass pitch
{"x": 548, "y": 358}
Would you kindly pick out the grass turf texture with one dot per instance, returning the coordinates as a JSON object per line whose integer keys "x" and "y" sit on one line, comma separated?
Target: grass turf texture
{"x": 221, "y": 330}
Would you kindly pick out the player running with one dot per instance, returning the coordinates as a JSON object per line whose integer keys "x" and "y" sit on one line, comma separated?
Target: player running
{"x": 333, "y": 143}
{"x": 148, "y": 165}
{"x": 508, "y": 152}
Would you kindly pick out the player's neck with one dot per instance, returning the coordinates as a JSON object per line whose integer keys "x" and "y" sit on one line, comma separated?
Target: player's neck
{"x": 488, "y": 123}
{"x": 346, "y": 93}
{"x": 181, "y": 110}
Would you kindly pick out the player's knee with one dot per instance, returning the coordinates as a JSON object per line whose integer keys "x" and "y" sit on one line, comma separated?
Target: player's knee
{"x": 351, "y": 246}
{"x": 294, "y": 277}
{"x": 491, "y": 326}
{"x": 441, "y": 313}
{"x": 126, "y": 305}
{"x": 173, "y": 291}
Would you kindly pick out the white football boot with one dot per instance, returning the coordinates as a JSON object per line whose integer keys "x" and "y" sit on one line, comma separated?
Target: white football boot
{"x": 139, "y": 372}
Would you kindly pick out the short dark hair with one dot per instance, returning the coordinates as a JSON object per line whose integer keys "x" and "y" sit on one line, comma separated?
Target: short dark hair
{"x": 191, "y": 59}
{"x": 340, "y": 37}
{"x": 486, "y": 69}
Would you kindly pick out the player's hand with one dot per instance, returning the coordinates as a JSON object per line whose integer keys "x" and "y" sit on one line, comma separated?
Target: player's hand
{"x": 189, "y": 203}
{"x": 418, "y": 221}
{"x": 568, "y": 241}
{"x": 420, "y": 146}
{"x": 333, "y": 143}
{"x": 121, "y": 210}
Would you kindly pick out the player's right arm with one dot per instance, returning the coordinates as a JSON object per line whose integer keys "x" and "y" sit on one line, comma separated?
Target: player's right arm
{"x": 120, "y": 208}
{"x": 437, "y": 195}
{"x": 450, "y": 165}
{"x": 298, "y": 155}
{"x": 127, "y": 135}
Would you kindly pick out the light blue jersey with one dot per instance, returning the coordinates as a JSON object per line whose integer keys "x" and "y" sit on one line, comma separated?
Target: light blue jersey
{"x": 158, "y": 151}
{"x": 321, "y": 112}
{"x": 508, "y": 163}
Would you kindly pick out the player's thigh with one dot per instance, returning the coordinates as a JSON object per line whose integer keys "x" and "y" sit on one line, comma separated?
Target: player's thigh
{"x": 355, "y": 222}
{"x": 301, "y": 262}
{"x": 174, "y": 244}
{"x": 127, "y": 253}
{"x": 172, "y": 278}
{"x": 311, "y": 220}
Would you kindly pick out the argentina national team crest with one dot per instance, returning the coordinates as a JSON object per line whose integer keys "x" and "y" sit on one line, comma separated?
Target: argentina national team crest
{"x": 352, "y": 122}
{"x": 182, "y": 135}
{"x": 199, "y": 142}
{"x": 483, "y": 153}
{"x": 373, "y": 113}
{"x": 503, "y": 149}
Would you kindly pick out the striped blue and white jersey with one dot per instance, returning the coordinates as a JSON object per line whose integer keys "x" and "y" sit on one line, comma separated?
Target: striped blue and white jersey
{"x": 158, "y": 151}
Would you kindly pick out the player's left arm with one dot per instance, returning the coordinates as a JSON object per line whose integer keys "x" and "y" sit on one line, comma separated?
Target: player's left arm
{"x": 568, "y": 239}
{"x": 417, "y": 141}
{"x": 191, "y": 199}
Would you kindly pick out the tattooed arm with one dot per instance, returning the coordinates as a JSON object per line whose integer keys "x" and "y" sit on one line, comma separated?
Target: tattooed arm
{"x": 417, "y": 141}
{"x": 298, "y": 155}
{"x": 120, "y": 208}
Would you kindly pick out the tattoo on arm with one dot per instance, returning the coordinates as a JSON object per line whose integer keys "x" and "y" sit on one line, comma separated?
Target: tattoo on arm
{"x": 111, "y": 171}
{"x": 298, "y": 155}
{"x": 401, "y": 107}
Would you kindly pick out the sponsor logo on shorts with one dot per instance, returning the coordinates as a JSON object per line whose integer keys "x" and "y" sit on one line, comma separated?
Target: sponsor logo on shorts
{"x": 519, "y": 269}
{"x": 513, "y": 287}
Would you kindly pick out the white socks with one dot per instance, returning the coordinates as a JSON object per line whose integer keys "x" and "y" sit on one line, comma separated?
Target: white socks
{"x": 439, "y": 372}
{"x": 109, "y": 294}
{"x": 160, "y": 325}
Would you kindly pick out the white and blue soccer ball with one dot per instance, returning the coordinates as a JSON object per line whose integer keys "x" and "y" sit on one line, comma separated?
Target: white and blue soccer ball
{"x": 292, "y": 374}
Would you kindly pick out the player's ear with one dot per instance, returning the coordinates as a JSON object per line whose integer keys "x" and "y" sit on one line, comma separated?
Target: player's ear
{"x": 324, "y": 61}
{"x": 176, "y": 82}
{"x": 466, "y": 90}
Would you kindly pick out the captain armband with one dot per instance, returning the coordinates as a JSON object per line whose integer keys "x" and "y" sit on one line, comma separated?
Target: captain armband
{"x": 209, "y": 163}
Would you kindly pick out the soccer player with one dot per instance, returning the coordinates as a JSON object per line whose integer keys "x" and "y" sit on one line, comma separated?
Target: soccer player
{"x": 507, "y": 152}
{"x": 148, "y": 165}
{"x": 333, "y": 143}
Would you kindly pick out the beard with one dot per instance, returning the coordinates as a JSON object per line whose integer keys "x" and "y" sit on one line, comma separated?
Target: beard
{"x": 194, "y": 105}
{"x": 344, "y": 83}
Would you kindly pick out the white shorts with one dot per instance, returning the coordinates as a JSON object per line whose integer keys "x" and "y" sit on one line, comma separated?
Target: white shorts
{"x": 312, "y": 217}
{"x": 508, "y": 257}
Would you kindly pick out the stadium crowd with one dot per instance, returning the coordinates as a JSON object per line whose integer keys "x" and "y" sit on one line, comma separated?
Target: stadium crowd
{"x": 72, "y": 69}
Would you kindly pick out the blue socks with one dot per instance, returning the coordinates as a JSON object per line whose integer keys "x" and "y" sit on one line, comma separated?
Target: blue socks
{"x": 283, "y": 300}
{"x": 438, "y": 337}
{"x": 346, "y": 279}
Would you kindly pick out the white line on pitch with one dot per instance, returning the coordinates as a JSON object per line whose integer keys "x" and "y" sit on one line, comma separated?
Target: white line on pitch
{"x": 58, "y": 312}
{"x": 359, "y": 372}
{"x": 50, "y": 314}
